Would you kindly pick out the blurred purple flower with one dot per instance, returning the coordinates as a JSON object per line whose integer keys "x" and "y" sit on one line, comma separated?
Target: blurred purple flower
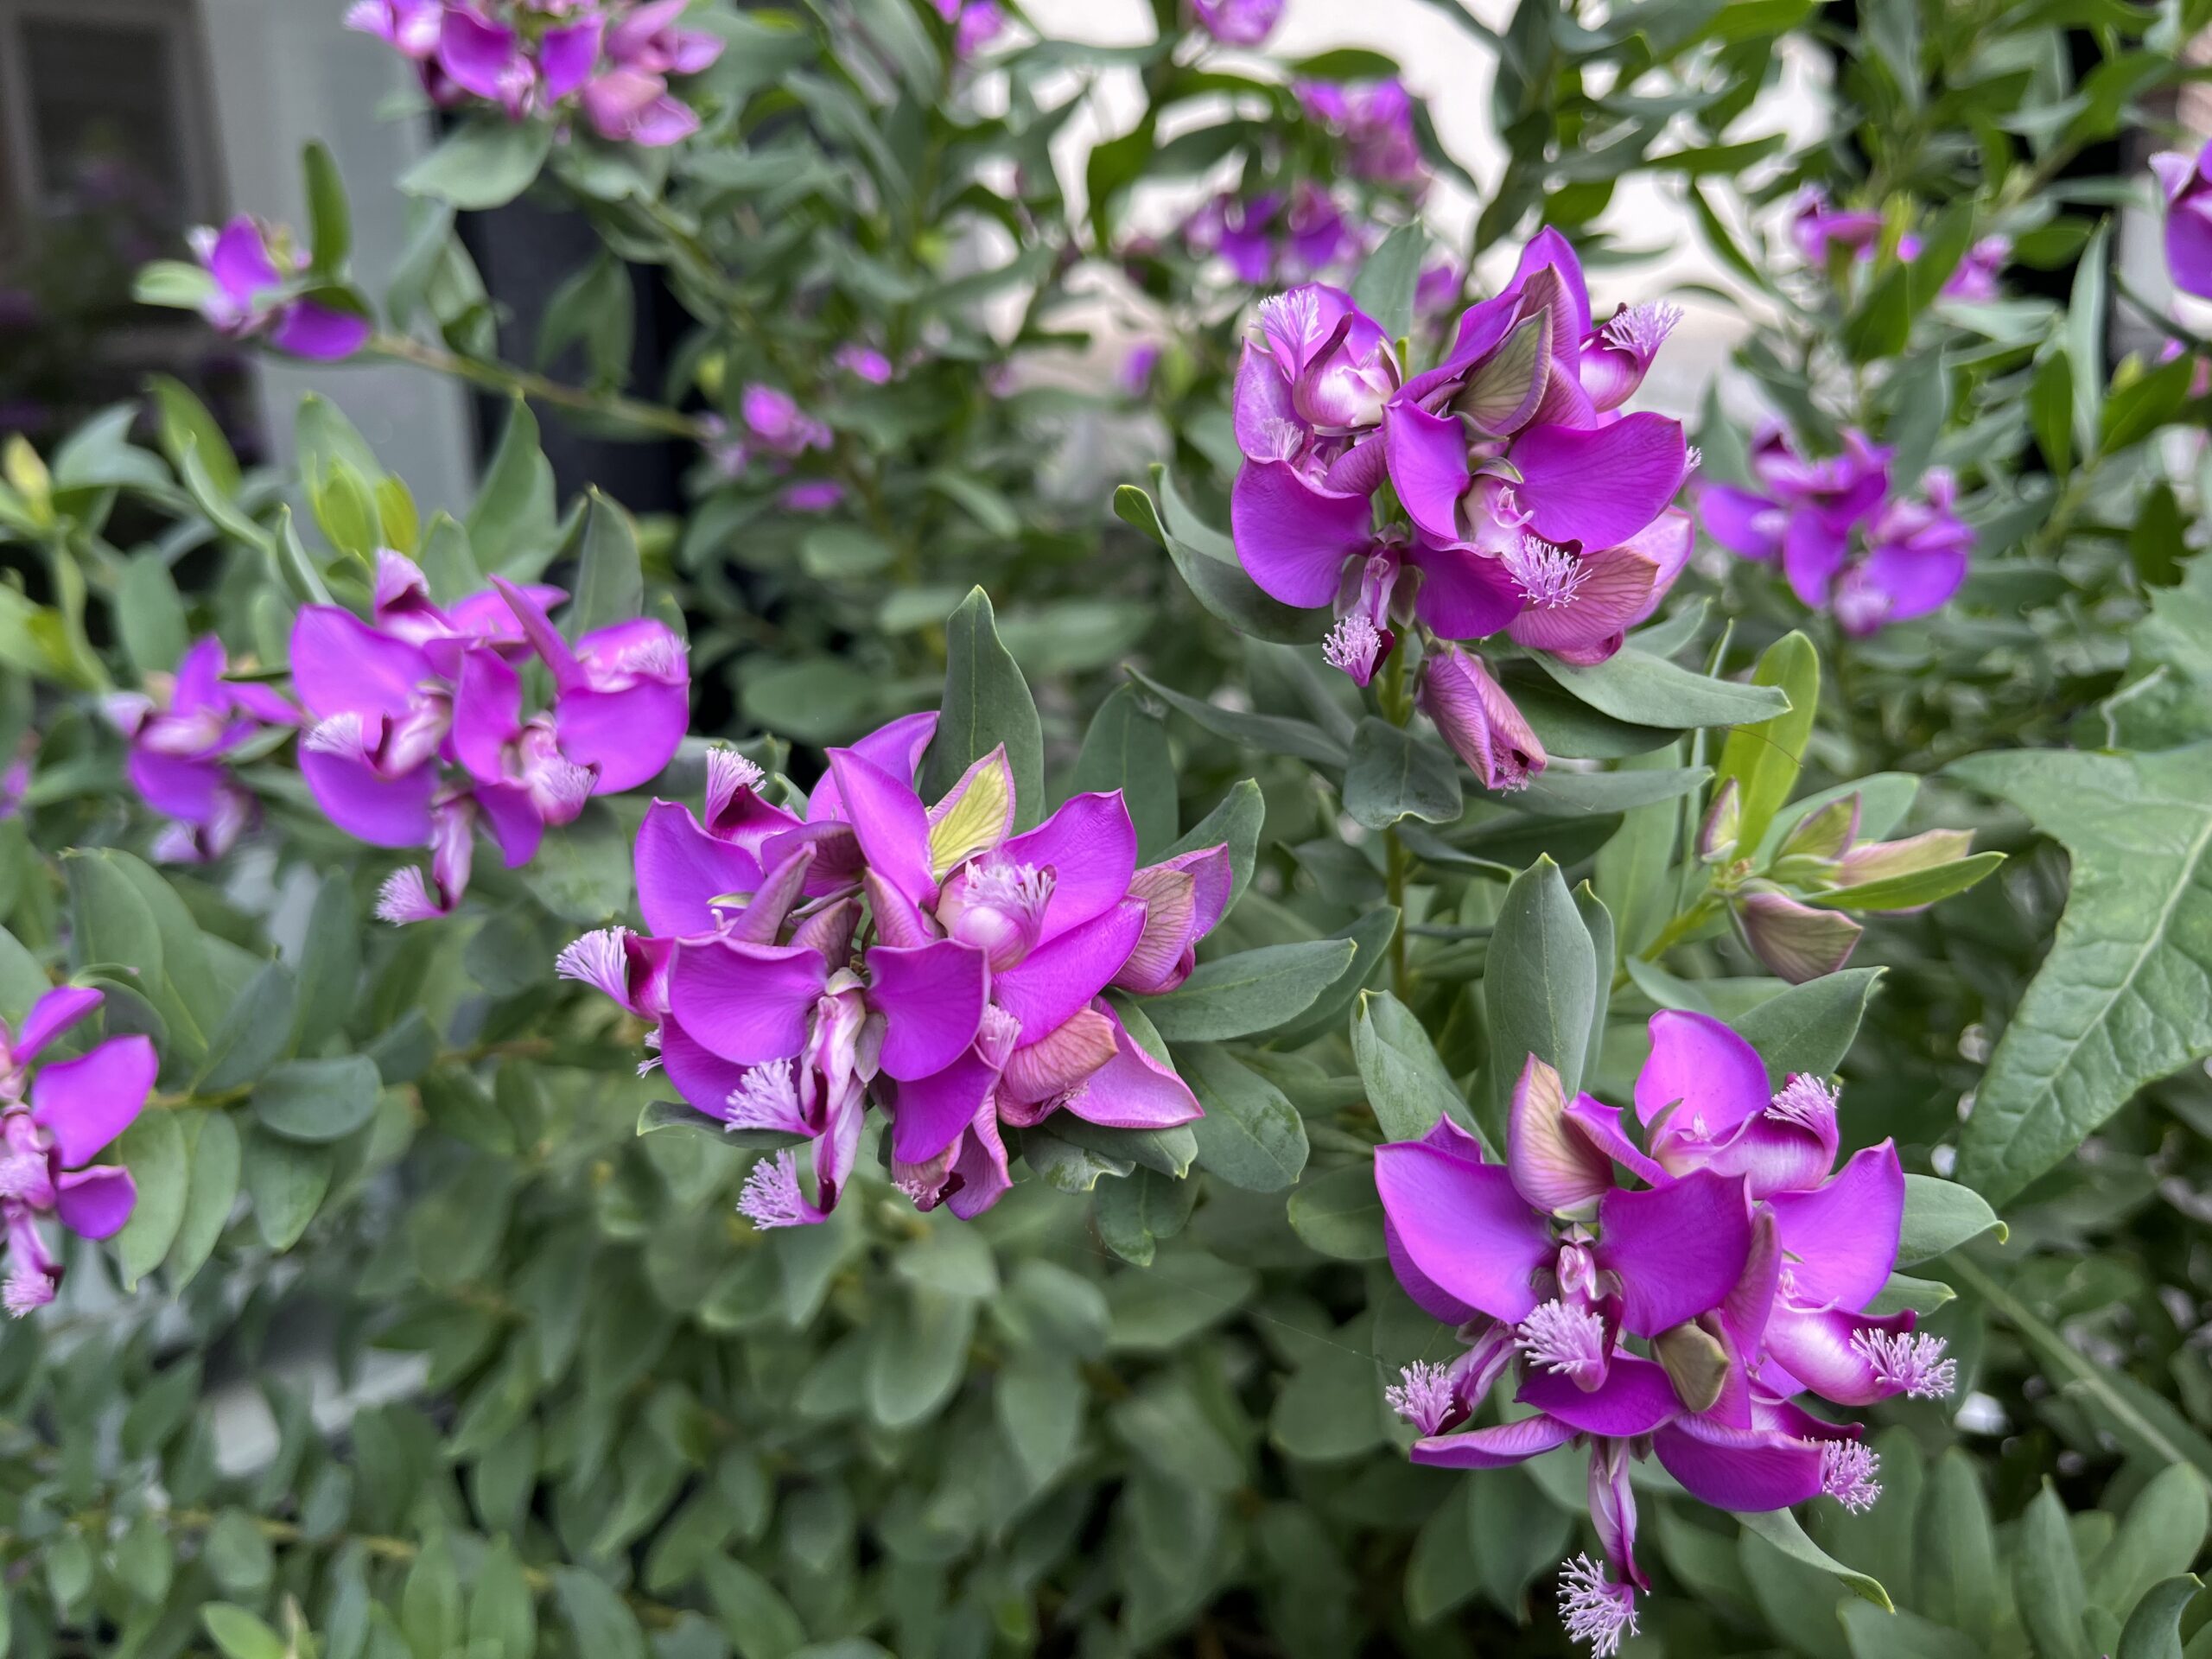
{"x": 181, "y": 728}
{"x": 1375, "y": 121}
{"x": 976, "y": 24}
{"x": 1134, "y": 375}
{"x": 252, "y": 276}
{"x": 2187, "y": 184}
{"x": 865, "y": 362}
{"x": 776, "y": 423}
{"x": 1238, "y": 22}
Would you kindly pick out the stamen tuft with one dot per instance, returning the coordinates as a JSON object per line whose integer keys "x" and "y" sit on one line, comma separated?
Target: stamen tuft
{"x": 404, "y": 897}
{"x": 1593, "y": 1608}
{"x": 1564, "y": 1340}
{"x": 1847, "y": 1472}
{"x": 600, "y": 959}
{"x": 1641, "y": 330}
{"x": 1549, "y": 576}
{"x": 1422, "y": 1395}
{"x": 766, "y": 1097}
{"x": 1355, "y": 645}
{"x": 1911, "y": 1363}
{"x": 1806, "y": 1100}
{"x": 772, "y": 1197}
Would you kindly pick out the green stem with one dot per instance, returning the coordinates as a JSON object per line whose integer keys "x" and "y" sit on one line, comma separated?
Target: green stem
{"x": 2060, "y": 1355}
{"x": 503, "y": 377}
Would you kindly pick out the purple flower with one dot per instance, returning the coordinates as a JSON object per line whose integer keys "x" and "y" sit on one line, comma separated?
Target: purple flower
{"x": 410, "y": 27}
{"x": 1818, "y": 226}
{"x": 1477, "y": 718}
{"x": 1974, "y": 279}
{"x": 1743, "y": 1261}
{"x": 75, "y": 1109}
{"x": 777, "y": 425}
{"x": 254, "y": 270}
{"x": 814, "y": 495}
{"x": 1262, "y": 243}
{"x": 1134, "y": 375}
{"x": 2188, "y": 188}
{"x": 1238, "y": 22}
{"x": 976, "y": 24}
{"x": 979, "y": 1003}
{"x": 180, "y": 729}
{"x": 1437, "y": 290}
{"x": 1535, "y": 505}
{"x": 864, "y": 362}
{"x": 1843, "y": 542}
{"x": 419, "y": 736}
{"x": 1375, "y": 121}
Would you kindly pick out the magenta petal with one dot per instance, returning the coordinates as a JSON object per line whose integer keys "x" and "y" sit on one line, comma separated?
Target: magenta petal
{"x": 1268, "y": 426}
{"x": 1679, "y": 1248}
{"x": 897, "y": 748}
{"x": 1704, "y": 1071}
{"x": 1429, "y": 1296}
{"x": 931, "y": 997}
{"x": 1464, "y": 595}
{"x": 630, "y": 735}
{"x": 1740, "y": 1470}
{"x": 1493, "y": 1448}
{"x": 931, "y": 1111}
{"x": 1292, "y": 538}
{"x": 1548, "y": 249}
{"x": 697, "y": 1072}
{"x": 87, "y": 1102}
{"x": 1599, "y": 486}
{"x": 1465, "y": 1227}
{"x": 1553, "y": 1166}
{"x": 1601, "y": 1126}
{"x": 1914, "y": 581}
{"x": 486, "y": 712}
{"x": 1091, "y": 846}
{"x": 239, "y": 262}
{"x": 1427, "y": 457}
{"x": 892, "y": 824}
{"x": 340, "y": 664}
{"x": 2188, "y": 247}
{"x": 1062, "y": 975}
{"x": 1812, "y": 552}
{"x": 746, "y": 1002}
{"x": 475, "y": 52}
{"x": 1842, "y": 1237}
{"x": 514, "y": 820}
{"x": 1744, "y": 523}
{"x": 567, "y": 56}
{"x": 1133, "y": 1091}
{"x": 176, "y": 785}
{"x": 1817, "y": 1347}
{"x": 979, "y": 1169}
{"x": 319, "y": 333}
{"x": 384, "y": 813}
{"x": 1775, "y": 1156}
{"x": 95, "y": 1203}
{"x": 1620, "y": 588}
{"x": 52, "y": 1014}
{"x": 1635, "y": 1398}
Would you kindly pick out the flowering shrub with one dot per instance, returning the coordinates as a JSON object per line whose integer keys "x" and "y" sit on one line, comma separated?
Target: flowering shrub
{"x": 1252, "y": 1074}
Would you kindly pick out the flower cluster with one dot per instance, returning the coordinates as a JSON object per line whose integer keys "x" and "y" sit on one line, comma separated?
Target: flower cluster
{"x": 1846, "y": 543}
{"x": 53, "y": 1124}
{"x": 1821, "y": 855}
{"x": 418, "y": 732}
{"x": 254, "y": 292}
{"x": 1533, "y": 505}
{"x": 2186, "y": 182}
{"x": 976, "y": 24}
{"x": 1270, "y": 239}
{"x": 799, "y": 964}
{"x": 1681, "y": 1316}
{"x": 611, "y": 59}
{"x": 1819, "y": 228}
{"x": 1374, "y": 122}
{"x": 182, "y": 729}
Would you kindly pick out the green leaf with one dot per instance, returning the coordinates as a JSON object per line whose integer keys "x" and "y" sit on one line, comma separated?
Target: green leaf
{"x": 330, "y": 962}
{"x": 1394, "y": 775}
{"x": 1127, "y": 749}
{"x": 2050, "y": 412}
{"x": 330, "y": 227}
{"x": 2047, "y": 1579}
{"x": 1040, "y": 1399}
{"x": 581, "y": 873}
{"x": 1882, "y": 323}
{"x": 917, "y": 1355}
{"x": 285, "y": 1183}
{"x": 317, "y": 1101}
{"x": 1408, "y": 1088}
{"x": 1810, "y": 1028}
{"x": 1262, "y": 733}
{"x": 1958, "y": 1548}
{"x": 1645, "y": 690}
{"x": 1875, "y": 1635}
{"x": 1540, "y": 987}
{"x": 2158, "y": 1537}
{"x": 2153, "y": 1630}
{"x": 185, "y": 425}
{"x": 254, "y": 1035}
{"x": 1763, "y": 759}
{"x": 2118, "y": 1002}
{"x": 1912, "y": 891}
{"x": 1251, "y": 992}
{"x": 149, "y": 614}
{"x": 485, "y": 161}
{"x": 2085, "y": 334}
{"x": 153, "y": 1150}
{"x": 986, "y": 703}
{"x": 1207, "y": 563}
{"x": 601, "y": 1621}
{"x": 610, "y": 584}
{"x": 502, "y": 1610}
{"x": 1631, "y": 868}
{"x": 295, "y": 566}
{"x": 209, "y": 1194}
{"x": 754, "y": 1614}
{"x": 1780, "y": 1529}
{"x": 1340, "y": 1214}
{"x": 953, "y": 1259}
{"x": 1250, "y": 1136}
{"x": 1940, "y": 1215}
{"x": 512, "y": 527}
{"x": 1384, "y": 287}
{"x": 239, "y": 1634}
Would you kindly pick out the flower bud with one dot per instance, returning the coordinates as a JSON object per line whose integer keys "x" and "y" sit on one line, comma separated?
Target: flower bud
{"x": 1796, "y": 941}
{"x": 1475, "y": 717}
{"x": 1723, "y": 823}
